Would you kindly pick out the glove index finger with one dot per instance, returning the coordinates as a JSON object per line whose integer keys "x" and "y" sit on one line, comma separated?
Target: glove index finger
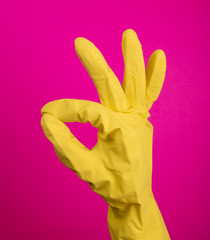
{"x": 75, "y": 110}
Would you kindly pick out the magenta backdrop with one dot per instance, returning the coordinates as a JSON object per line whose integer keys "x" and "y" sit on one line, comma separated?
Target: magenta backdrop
{"x": 41, "y": 198}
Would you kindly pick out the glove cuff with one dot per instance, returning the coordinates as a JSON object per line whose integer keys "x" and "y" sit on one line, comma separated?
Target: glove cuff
{"x": 137, "y": 221}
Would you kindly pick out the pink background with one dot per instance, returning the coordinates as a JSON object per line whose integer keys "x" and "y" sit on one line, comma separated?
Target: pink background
{"x": 41, "y": 198}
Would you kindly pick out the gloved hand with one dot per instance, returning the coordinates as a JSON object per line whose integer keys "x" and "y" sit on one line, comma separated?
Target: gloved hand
{"x": 119, "y": 166}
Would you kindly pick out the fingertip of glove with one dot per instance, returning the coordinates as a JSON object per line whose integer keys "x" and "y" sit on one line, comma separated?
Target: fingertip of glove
{"x": 45, "y": 124}
{"x": 48, "y": 107}
{"x": 80, "y": 42}
{"x": 160, "y": 54}
{"x": 43, "y": 110}
{"x": 44, "y": 118}
{"x": 129, "y": 33}
{"x": 162, "y": 58}
{"x": 48, "y": 121}
{"x": 77, "y": 41}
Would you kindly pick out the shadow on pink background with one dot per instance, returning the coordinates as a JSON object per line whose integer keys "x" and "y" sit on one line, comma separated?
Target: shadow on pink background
{"x": 40, "y": 197}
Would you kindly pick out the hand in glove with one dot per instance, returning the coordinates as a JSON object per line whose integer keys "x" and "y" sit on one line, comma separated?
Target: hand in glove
{"x": 119, "y": 166}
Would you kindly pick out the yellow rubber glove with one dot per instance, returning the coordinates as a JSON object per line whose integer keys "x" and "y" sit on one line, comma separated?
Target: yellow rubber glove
{"x": 119, "y": 166}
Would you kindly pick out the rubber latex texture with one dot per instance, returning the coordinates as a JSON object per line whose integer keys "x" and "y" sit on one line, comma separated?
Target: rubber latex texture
{"x": 119, "y": 166}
